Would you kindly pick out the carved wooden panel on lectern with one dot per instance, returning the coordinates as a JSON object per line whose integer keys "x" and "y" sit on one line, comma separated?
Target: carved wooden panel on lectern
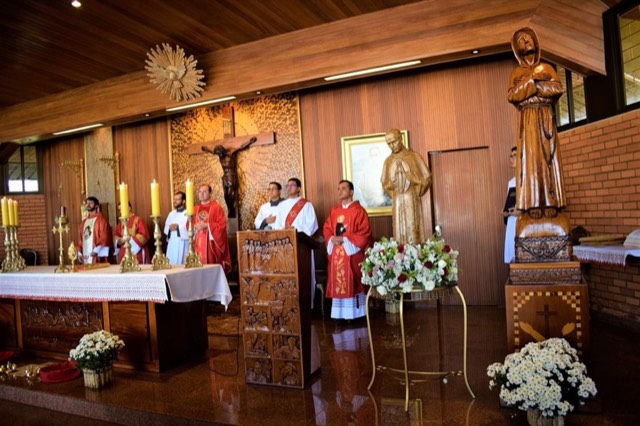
{"x": 270, "y": 305}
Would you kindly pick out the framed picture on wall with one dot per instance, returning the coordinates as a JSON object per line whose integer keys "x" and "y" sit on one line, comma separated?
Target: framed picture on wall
{"x": 362, "y": 161}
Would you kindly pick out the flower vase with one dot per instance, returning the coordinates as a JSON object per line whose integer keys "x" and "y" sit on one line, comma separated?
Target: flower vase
{"x": 391, "y": 305}
{"x": 535, "y": 418}
{"x": 96, "y": 379}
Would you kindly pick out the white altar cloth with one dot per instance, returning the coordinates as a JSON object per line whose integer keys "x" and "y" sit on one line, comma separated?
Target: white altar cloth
{"x": 177, "y": 284}
{"x": 611, "y": 255}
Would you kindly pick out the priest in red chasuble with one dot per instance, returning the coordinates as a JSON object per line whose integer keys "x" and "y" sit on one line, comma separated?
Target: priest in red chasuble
{"x": 94, "y": 240}
{"x": 347, "y": 235}
{"x": 210, "y": 231}
{"x": 139, "y": 234}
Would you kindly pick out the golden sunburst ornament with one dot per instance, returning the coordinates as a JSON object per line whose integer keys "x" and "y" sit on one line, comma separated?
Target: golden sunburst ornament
{"x": 173, "y": 73}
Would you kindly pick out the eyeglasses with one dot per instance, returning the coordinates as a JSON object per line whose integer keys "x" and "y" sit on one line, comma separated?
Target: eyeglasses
{"x": 292, "y": 185}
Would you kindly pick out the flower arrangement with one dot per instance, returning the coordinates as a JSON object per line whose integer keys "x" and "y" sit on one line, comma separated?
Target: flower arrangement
{"x": 389, "y": 265}
{"x": 546, "y": 376}
{"x": 96, "y": 350}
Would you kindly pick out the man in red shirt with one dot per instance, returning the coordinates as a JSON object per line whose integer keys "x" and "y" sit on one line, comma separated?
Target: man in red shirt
{"x": 210, "y": 231}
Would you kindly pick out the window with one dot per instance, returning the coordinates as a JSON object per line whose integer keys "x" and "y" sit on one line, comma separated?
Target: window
{"x": 22, "y": 170}
{"x": 571, "y": 107}
{"x": 629, "y": 32}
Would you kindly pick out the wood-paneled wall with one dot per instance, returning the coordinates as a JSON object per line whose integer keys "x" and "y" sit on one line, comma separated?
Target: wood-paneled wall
{"x": 144, "y": 156}
{"x": 442, "y": 109}
{"x": 62, "y": 187}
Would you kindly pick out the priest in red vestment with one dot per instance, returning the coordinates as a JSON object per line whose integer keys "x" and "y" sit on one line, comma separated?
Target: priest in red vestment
{"x": 139, "y": 234}
{"x": 210, "y": 231}
{"x": 347, "y": 236}
{"x": 94, "y": 240}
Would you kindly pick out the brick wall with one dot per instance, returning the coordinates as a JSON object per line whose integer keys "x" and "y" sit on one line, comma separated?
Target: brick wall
{"x": 601, "y": 164}
{"x": 32, "y": 232}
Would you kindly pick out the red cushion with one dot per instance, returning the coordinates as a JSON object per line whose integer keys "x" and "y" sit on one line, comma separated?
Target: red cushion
{"x": 60, "y": 372}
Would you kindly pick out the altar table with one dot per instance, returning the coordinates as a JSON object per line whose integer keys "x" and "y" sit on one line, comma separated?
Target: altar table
{"x": 160, "y": 315}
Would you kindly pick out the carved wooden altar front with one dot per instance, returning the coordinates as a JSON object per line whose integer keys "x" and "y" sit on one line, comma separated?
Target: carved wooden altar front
{"x": 275, "y": 273}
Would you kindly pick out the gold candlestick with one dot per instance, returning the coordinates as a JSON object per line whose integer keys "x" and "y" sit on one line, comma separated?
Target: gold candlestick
{"x": 129, "y": 262}
{"x": 7, "y": 263}
{"x": 159, "y": 260}
{"x": 61, "y": 228}
{"x": 19, "y": 260}
{"x": 192, "y": 260}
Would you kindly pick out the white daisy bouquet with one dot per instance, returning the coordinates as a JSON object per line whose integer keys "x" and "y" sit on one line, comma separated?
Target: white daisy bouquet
{"x": 546, "y": 375}
{"x": 389, "y": 265}
{"x": 96, "y": 350}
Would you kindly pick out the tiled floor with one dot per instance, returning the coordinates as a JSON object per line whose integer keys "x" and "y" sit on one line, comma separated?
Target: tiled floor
{"x": 214, "y": 391}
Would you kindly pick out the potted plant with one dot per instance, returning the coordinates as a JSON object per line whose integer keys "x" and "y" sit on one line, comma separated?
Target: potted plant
{"x": 546, "y": 379}
{"x": 94, "y": 355}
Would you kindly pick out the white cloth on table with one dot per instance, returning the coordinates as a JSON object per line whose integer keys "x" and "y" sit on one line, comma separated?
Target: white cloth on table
{"x": 611, "y": 255}
{"x": 108, "y": 284}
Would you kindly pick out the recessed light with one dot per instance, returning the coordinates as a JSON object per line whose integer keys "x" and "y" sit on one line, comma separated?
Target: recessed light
{"x": 146, "y": 114}
{"x": 197, "y": 104}
{"x": 76, "y": 4}
{"x": 475, "y": 51}
{"x": 78, "y": 129}
{"x": 372, "y": 70}
{"x": 258, "y": 92}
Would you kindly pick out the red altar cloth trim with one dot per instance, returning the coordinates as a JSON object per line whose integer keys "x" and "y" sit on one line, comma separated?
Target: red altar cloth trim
{"x": 611, "y": 255}
{"x": 108, "y": 284}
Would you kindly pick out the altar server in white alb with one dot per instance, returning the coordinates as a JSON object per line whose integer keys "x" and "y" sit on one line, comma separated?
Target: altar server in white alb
{"x": 175, "y": 228}
{"x": 268, "y": 211}
{"x": 510, "y": 213}
{"x": 295, "y": 211}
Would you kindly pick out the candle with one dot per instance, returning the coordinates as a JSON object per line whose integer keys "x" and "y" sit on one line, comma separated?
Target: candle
{"x": 16, "y": 222}
{"x": 63, "y": 211}
{"x": 189, "y": 192}
{"x": 5, "y": 211}
{"x": 124, "y": 200}
{"x": 155, "y": 199}
{"x": 10, "y": 222}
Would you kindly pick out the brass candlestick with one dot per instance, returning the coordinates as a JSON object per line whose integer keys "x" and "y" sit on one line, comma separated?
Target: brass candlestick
{"x": 129, "y": 262}
{"x": 192, "y": 260}
{"x": 159, "y": 260}
{"x": 20, "y": 262}
{"x": 8, "y": 262}
{"x": 61, "y": 228}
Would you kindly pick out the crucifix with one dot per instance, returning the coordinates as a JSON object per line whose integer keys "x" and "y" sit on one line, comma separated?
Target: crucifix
{"x": 226, "y": 150}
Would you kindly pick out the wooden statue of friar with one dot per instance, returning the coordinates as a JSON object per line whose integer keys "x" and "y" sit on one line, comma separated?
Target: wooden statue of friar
{"x": 534, "y": 88}
{"x": 405, "y": 178}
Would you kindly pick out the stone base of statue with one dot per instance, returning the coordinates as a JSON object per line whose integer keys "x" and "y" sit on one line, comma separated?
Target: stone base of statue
{"x": 543, "y": 240}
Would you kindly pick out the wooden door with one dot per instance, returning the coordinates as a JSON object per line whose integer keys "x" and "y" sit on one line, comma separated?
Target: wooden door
{"x": 463, "y": 207}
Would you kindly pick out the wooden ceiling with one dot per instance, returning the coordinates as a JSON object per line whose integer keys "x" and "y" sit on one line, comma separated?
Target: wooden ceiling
{"x": 50, "y": 47}
{"x": 64, "y": 67}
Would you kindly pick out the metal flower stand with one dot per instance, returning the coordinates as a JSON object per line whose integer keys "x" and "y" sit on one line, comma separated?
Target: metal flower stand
{"x": 437, "y": 293}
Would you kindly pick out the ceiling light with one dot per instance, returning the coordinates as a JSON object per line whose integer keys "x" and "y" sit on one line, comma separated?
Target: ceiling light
{"x": 372, "y": 70}
{"x": 258, "y": 92}
{"x": 475, "y": 51}
{"x": 197, "y": 104}
{"x": 77, "y": 129}
{"x": 76, "y": 4}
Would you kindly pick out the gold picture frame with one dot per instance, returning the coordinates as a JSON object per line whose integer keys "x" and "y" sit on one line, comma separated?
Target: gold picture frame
{"x": 362, "y": 160}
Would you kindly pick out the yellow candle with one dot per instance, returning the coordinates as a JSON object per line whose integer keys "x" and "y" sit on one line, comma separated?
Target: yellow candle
{"x": 16, "y": 222}
{"x": 155, "y": 199}
{"x": 124, "y": 200}
{"x": 5, "y": 212}
{"x": 189, "y": 192}
{"x": 11, "y": 211}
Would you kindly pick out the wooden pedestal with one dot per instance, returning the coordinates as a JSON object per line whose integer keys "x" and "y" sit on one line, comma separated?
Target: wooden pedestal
{"x": 541, "y": 311}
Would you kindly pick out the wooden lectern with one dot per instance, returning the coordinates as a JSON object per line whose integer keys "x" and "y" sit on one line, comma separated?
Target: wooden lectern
{"x": 275, "y": 297}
